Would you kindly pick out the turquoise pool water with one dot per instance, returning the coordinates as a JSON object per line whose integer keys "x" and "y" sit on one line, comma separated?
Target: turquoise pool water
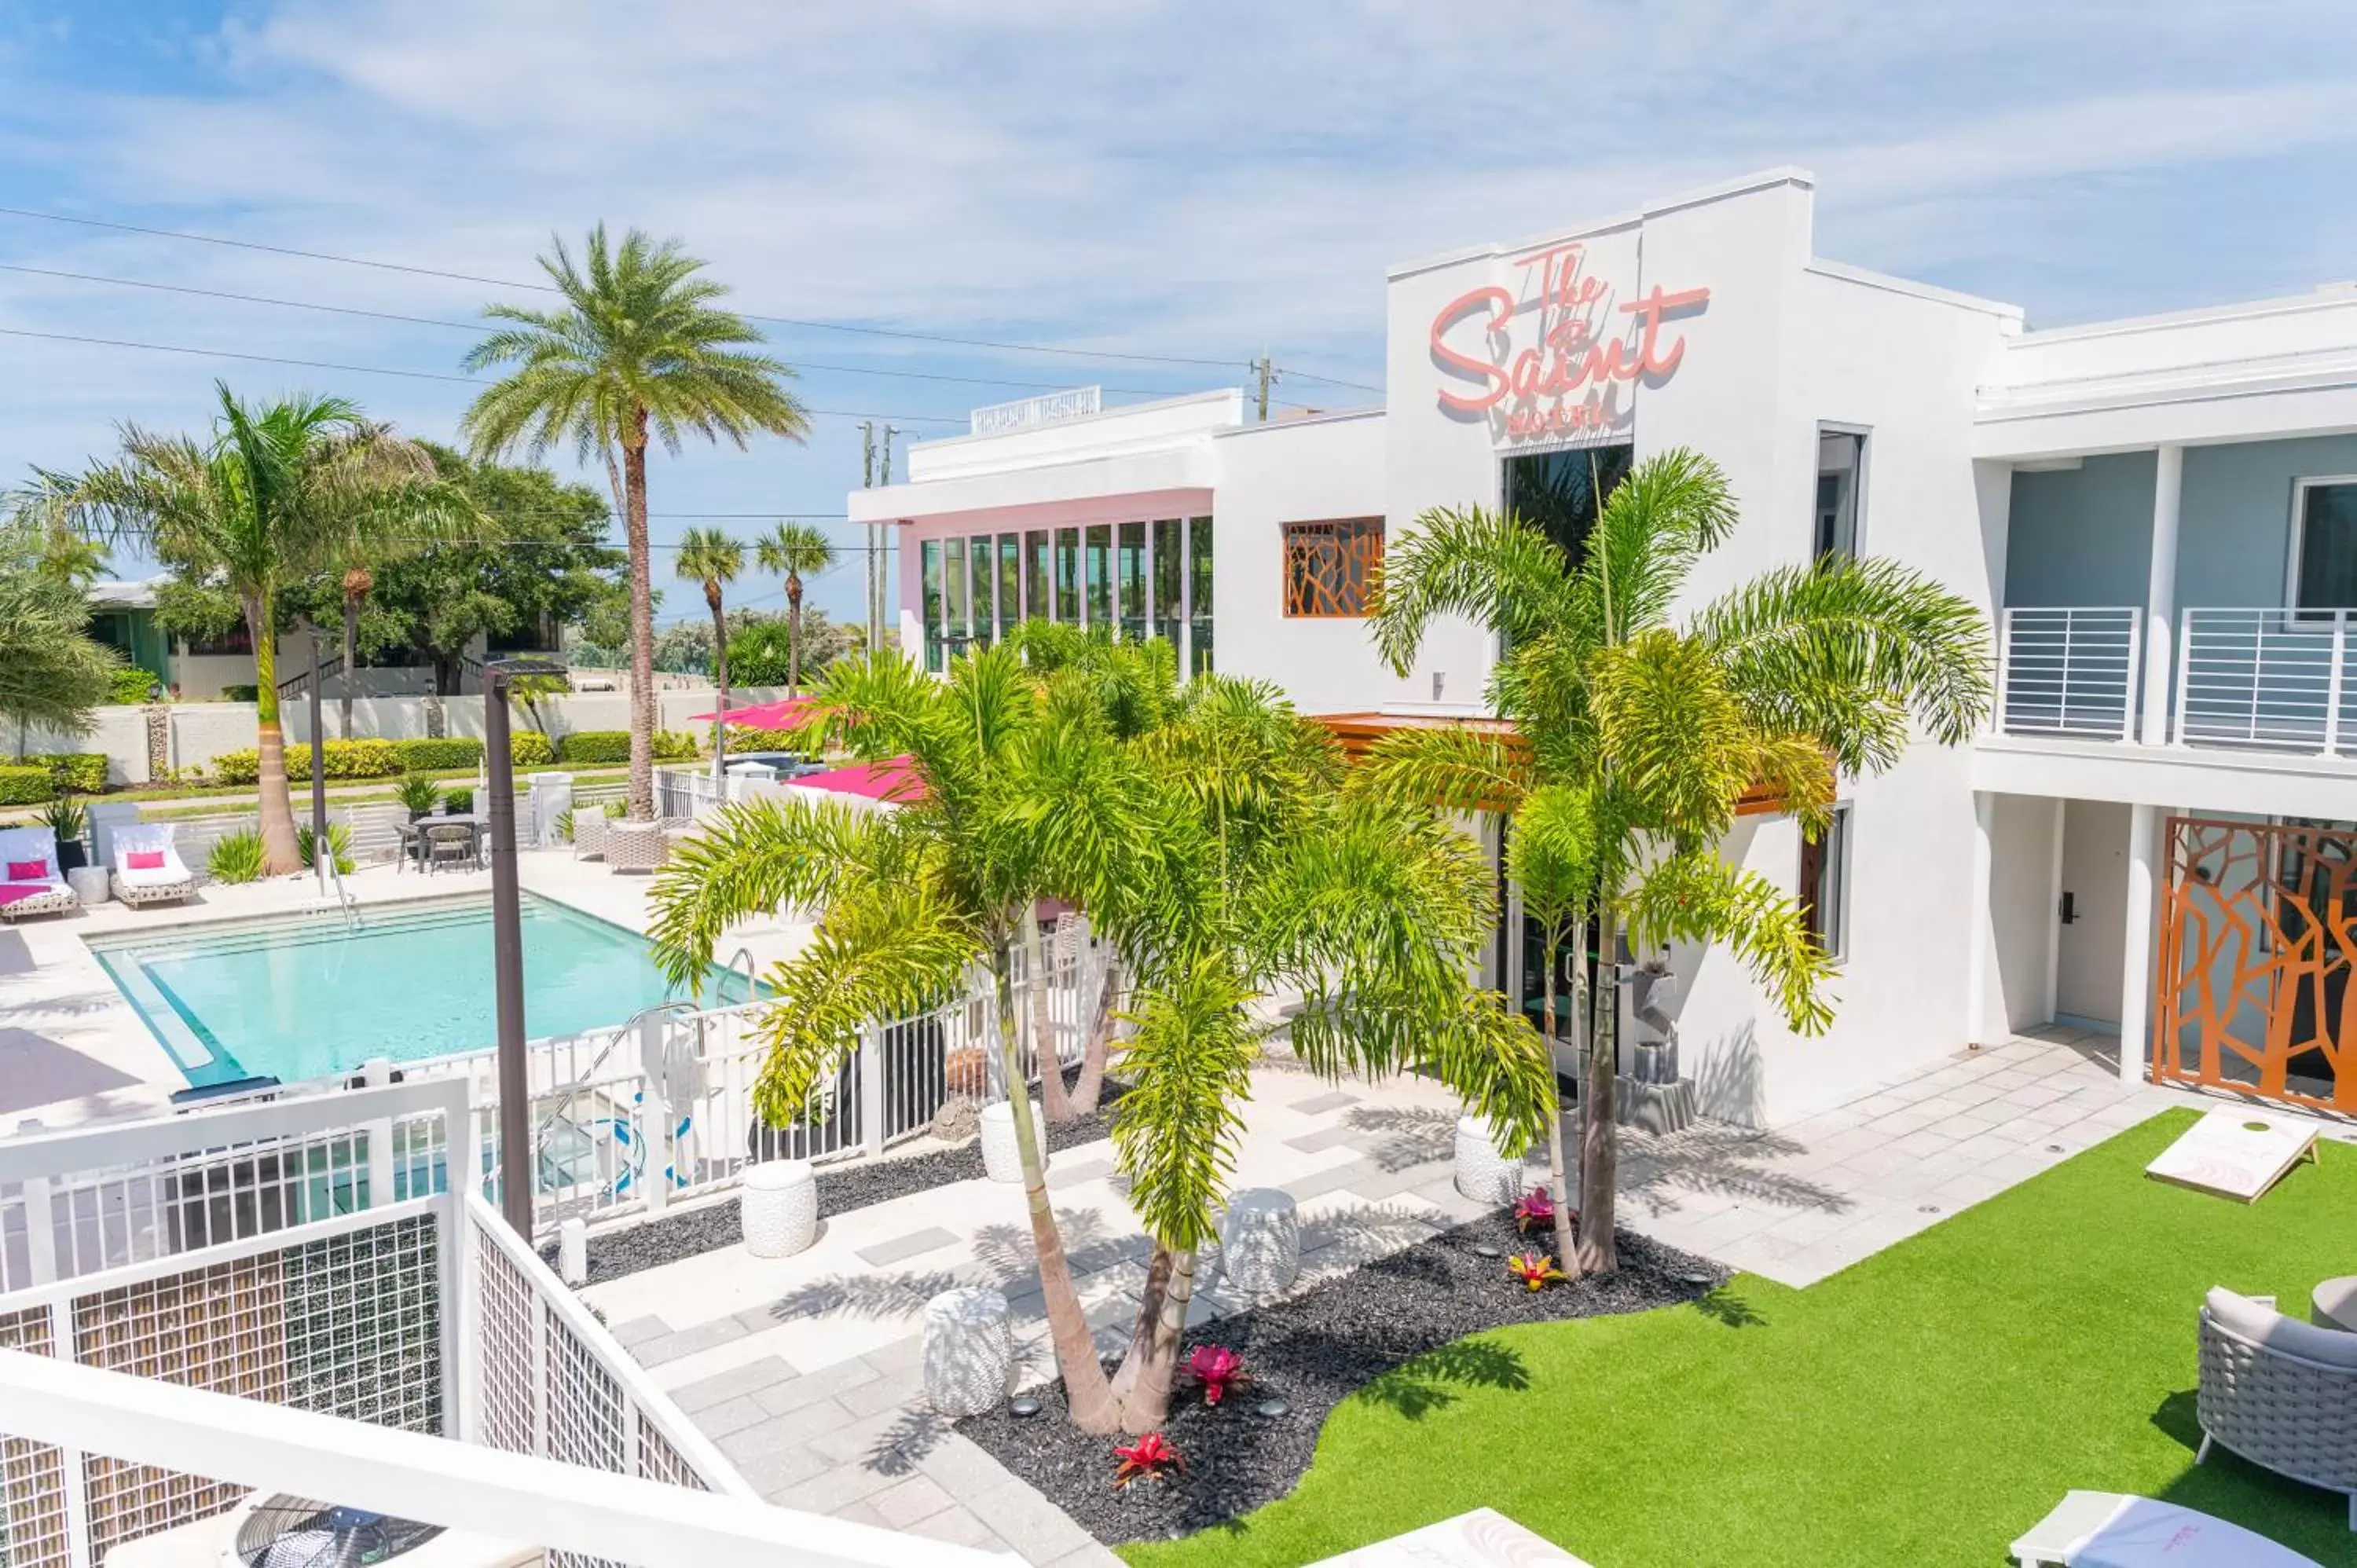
{"x": 305, "y": 997}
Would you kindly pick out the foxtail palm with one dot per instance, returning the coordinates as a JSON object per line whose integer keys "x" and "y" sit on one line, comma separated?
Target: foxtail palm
{"x": 277, "y": 495}
{"x": 707, "y": 555}
{"x": 1655, "y": 729}
{"x": 639, "y": 352}
{"x": 794, "y": 550}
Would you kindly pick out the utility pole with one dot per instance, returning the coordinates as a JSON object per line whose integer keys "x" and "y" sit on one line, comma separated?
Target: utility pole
{"x": 880, "y": 551}
{"x": 875, "y": 571}
{"x": 321, "y": 852}
{"x": 1265, "y": 373}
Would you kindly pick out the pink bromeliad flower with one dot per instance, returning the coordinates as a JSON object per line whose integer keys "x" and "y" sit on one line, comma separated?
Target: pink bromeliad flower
{"x": 1534, "y": 1211}
{"x": 1218, "y": 1368}
{"x": 1150, "y": 1456}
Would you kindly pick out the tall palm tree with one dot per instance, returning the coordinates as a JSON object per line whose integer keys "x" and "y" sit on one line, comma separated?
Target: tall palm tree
{"x": 1650, "y": 730}
{"x": 794, "y": 550}
{"x": 709, "y": 556}
{"x": 280, "y": 491}
{"x": 1215, "y": 850}
{"x": 639, "y": 352}
{"x": 52, "y": 673}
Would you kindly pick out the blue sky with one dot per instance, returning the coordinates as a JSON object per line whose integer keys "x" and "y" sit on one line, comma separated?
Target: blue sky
{"x": 1202, "y": 180}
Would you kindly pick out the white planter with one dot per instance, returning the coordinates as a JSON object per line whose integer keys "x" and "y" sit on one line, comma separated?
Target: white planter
{"x": 968, "y": 1350}
{"x": 780, "y": 1207}
{"x": 1001, "y": 1160}
{"x": 589, "y": 832}
{"x": 1483, "y": 1175}
{"x": 1260, "y": 1245}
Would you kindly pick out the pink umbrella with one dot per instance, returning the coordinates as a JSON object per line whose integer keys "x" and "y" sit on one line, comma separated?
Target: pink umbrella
{"x": 894, "y": 782}
{"x": 784, "y": 714}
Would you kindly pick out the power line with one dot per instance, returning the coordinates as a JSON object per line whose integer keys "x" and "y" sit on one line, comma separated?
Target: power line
{"x": 1001, "y": 345}
{"x": 386, "y": 370}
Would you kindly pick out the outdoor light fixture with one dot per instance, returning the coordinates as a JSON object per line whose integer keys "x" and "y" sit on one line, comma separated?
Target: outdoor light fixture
{"x": 507, "y": 941}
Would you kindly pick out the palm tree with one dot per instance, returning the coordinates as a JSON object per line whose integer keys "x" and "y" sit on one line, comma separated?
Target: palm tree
{"x": 639, "y": 351}
{"x": 1214, "y": 849}
{"x": 794, "y": 550}
{"x": 52, "y": 673}
{"x": 279, "y": 493}
{"x": 709, "y": 555}
{"x": 416, "y": 508}
{"x": 1650, "y": 731}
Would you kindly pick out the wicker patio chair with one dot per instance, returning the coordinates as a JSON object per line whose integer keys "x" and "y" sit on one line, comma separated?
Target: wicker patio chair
{"x": 42, "y": 890}
{"x": 2280, "y": 1392}
{"x": 589, "y": 825}
{"x": 636, "y": 846}
{"x": 449, "y": 844}
{"x": 148, "y": 867}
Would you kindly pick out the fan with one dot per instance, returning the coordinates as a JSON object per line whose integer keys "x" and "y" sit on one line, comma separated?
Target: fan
{"x": 285, "y": 1532}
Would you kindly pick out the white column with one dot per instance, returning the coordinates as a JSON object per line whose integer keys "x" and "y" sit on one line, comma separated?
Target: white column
{"x": 2160, "y": 593}
{"x": 2136, "y": 962}
{"x": 1981, "y": 921}
{"x": 2054, "y": 913}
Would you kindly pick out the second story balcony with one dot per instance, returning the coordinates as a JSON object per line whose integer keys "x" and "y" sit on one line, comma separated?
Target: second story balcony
{"x": 2274, "y": 680}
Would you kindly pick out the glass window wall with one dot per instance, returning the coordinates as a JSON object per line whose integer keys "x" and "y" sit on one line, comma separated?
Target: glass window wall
{"x": 1130, "y": 581}
{"x": 1199, "y": 595}
{"x": 985, "y": 595}
{"x": 1169, "y": 564}
{"x": 1068, "y": 576}
{"x": 1037, "y": 602}
{"x": 954, "y": 595}
{"x": 930, "y": 554}
{"x": 1010, "y": 582}
{"x": 1100, "y": 577}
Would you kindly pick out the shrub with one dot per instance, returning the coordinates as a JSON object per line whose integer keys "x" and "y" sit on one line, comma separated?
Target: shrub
{"x": 744, "y": 740}
{"x": 240, "y": 694}
{"x": 608, "y": 747}
{"x": 423, "y": 756}
{"x": 417, "y": 794}
{"x": 77, "y": 772}
{"x": 27, "y": 784}
{"x": 340, "y": 842}
{"x": 236, "y": 857}
{"x": 458, "y": 800}
{"x": 346, "y": 759}
{"x": 132, "y": 684}
{"x": 528, "y": 748}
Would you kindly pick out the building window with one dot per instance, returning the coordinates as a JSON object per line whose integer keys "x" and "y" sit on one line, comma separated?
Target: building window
{"x": 956, "y": 635}
{"x": 1068, "y": 576}
{"x": 1169, "y": 563}
{"x": 1100, "y": 577}
{"x": 930, "y": 554}
{"x": 1331, "y": 568}
{"x": 1841, "y": 472}
{"x": 985, "y": 595}
{"x": 2324, "y": 545}
{"x": 1129, "y": 581}
{"x": 1037, "y": 602}
{"x": 1010, "y": 582}
{"x": 1824, "y": 885}
{"x": 1199, "y": 595}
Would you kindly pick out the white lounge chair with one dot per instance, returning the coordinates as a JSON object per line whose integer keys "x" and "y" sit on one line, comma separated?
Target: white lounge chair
{"x": 2108, "y": 1530}
{"x": 30, "y": 882}
{"x": 147, "y": 868}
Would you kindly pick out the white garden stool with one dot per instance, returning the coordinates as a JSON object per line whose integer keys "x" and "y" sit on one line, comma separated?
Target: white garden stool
{"x": 780, "y": 1207}
{"x": 1260, "y": 1245}
{"x": 1483, "y": 1175}
{"x": 1001, "y": 1160}
{"x": 969, "y": 1350}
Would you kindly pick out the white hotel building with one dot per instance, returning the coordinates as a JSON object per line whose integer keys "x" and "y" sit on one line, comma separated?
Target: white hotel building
{"x": 2159, "y": 515}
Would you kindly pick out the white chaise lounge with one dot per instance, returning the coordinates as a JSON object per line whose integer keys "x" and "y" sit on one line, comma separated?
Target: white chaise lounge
{"x": 2108, "y": 1530}
{"x": 147, "y": 868}
{"x": 30, "y": 882}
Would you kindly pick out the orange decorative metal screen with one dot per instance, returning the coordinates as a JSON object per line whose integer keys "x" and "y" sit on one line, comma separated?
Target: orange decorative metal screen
{"x": 1331, "y": 567}
{"x": 2258, "y": 939}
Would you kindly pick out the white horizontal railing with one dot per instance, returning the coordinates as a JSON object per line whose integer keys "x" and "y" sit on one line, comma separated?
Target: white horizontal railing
{"x": 2068, "y": 671}
{"x": 2268, "y": 679}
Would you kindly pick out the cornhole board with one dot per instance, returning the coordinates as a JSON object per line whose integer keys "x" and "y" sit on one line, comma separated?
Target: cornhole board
{"x": 1482, "y": 1538}
{"x": 2108, "y": 1530}
{"x": 2235, "y": 1152}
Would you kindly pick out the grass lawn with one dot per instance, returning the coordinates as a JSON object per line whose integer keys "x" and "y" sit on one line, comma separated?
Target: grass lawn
{"x": 1921, "y": 1408}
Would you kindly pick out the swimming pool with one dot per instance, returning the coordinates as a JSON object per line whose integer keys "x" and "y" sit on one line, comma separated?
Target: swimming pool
{"x": 305, "y": 997}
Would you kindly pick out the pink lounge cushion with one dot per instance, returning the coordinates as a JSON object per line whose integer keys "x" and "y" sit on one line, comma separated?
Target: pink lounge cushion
{"x": 29, "y": 870}
{"x": 2262, "y": 1325}
{"x": 144, "y": 860}
{"x": 10, "y": 892}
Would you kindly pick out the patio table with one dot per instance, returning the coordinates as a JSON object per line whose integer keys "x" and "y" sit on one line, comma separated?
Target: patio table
{"x": 413, "y": 834}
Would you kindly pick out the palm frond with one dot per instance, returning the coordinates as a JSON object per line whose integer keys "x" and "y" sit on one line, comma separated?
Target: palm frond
{"x": 1176, "y": 1131}
{"x": 1456, "y": 769}
{"x": 1696, "y": 896}
{"x": 1678, "y": 741}
{"x": 1470, "y": 562}
{"x": 1672, "y": 508}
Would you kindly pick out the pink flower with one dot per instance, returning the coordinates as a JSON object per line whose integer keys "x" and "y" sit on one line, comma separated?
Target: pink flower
{"x": 1149, "y": 1455}
{"x": 1218, "y": 1368}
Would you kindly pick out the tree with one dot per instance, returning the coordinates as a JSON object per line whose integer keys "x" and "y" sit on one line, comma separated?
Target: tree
{"x": 416, "y": 508}
{"x": 794, "y": 550}
{"x": 1635, "y": 738}
{"x": 280, "y": 490}
{"x": 639, "y": 352}
{"x": 1212, "y": 845}
{"x": 761, "y": 648}
{"x": 707, "y": 555}
{"x": 51, "y": 673}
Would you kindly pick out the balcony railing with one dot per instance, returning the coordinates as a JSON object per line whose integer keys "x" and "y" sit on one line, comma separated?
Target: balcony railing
{"x": 2068, "y": 671}
{"x": 2262, "y": 679}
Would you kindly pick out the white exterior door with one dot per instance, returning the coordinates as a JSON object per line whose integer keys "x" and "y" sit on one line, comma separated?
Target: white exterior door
{"x": 2090, "y": 954}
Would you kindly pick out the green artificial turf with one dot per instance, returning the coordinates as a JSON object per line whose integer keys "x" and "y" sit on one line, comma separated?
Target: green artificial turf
{"x": 1920, "y": 1408}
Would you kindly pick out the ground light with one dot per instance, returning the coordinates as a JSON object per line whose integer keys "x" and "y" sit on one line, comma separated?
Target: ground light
{"x": 507, "y": 941}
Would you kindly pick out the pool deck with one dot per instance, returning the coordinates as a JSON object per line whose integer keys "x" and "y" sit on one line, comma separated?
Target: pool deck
{"x": 73, "y": 1049}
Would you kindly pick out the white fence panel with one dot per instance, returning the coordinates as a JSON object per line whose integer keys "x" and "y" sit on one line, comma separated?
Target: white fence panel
{"x": 2265, "y": 678}
{"x": 2068, "y": 671}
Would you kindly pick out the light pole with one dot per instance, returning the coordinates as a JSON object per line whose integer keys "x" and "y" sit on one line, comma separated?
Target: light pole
{"x": 507, "y": 942}
{"x": 320, "y": 851}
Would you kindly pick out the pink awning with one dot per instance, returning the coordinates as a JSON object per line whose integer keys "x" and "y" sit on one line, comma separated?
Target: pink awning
{"x": 895, "y": 781}
{"x": 786, "y": 713}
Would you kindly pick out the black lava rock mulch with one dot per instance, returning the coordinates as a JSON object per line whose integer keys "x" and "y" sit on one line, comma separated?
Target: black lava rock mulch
{"x": 1350, "y": 1334}
{"x": 854, "y": 1183}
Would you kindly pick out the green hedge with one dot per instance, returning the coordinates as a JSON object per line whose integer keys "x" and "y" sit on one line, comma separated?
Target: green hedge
{"x": 27, "y": 784}
{"x": 608, "y": 747}
{"x": 743, "y": 740}
{"x": 346, "y": 759}
{"x": 77, "y": 772}
{"x": 422, "y": 756}
{"x": 530, "y": 749}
